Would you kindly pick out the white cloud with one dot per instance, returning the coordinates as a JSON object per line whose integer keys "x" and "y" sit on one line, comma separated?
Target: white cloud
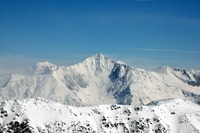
{"x": 166, "y": 50}
{"x": 191, "y": 21}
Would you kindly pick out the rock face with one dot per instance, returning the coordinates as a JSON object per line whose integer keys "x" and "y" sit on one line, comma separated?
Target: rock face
{"x": 43, "y": 116}
{"x": 100, "y": 80}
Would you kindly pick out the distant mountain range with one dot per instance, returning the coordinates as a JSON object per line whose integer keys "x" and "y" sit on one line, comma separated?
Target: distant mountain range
{"x": 100, "y": 80}
{"x": 43, "y": 116}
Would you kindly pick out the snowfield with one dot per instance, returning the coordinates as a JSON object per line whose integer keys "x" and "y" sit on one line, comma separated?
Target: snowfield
{"x": 43, "y": 116}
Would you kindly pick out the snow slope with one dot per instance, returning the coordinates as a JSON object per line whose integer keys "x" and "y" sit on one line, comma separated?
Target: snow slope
{"x": 100, "y": 80}
{"x": 41, "y": 116}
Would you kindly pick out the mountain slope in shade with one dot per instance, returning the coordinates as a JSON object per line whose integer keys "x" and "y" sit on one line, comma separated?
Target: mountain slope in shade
{"x": 100, "y": 80}
{"x": 42, "y": 116}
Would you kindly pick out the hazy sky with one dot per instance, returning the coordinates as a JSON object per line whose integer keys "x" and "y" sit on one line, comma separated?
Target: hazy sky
{"x": 142, "y": 33}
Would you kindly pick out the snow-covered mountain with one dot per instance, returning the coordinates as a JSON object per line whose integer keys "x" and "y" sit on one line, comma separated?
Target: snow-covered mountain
{"x": 43, "y": 116}
{"x": 100, "y": 80}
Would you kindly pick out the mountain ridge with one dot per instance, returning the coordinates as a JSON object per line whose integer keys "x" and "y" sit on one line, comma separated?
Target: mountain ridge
{"x": 100, "y": 80}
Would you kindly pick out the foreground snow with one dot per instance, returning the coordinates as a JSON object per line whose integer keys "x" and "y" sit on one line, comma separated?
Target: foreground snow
{"x": 40, "y": 115}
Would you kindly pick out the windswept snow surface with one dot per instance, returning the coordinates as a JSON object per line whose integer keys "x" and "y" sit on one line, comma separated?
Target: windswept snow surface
{"x": 41, "y": 116}
{"x": 100, "y": 80}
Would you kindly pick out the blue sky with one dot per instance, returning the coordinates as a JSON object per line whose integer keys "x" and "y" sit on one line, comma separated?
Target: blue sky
{"x": 143, "y": 33}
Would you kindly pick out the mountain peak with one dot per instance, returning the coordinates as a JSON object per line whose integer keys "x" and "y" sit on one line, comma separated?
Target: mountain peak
{"x": 164, "y": 69}
{"x": 98, "y": 63}
{"x": 97, "y": 58}
{"x": 99, "y": 55}
{"x": 45, "y": 64}
{"x": 42, "y": 68}
{"x": 194, "y": 71}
